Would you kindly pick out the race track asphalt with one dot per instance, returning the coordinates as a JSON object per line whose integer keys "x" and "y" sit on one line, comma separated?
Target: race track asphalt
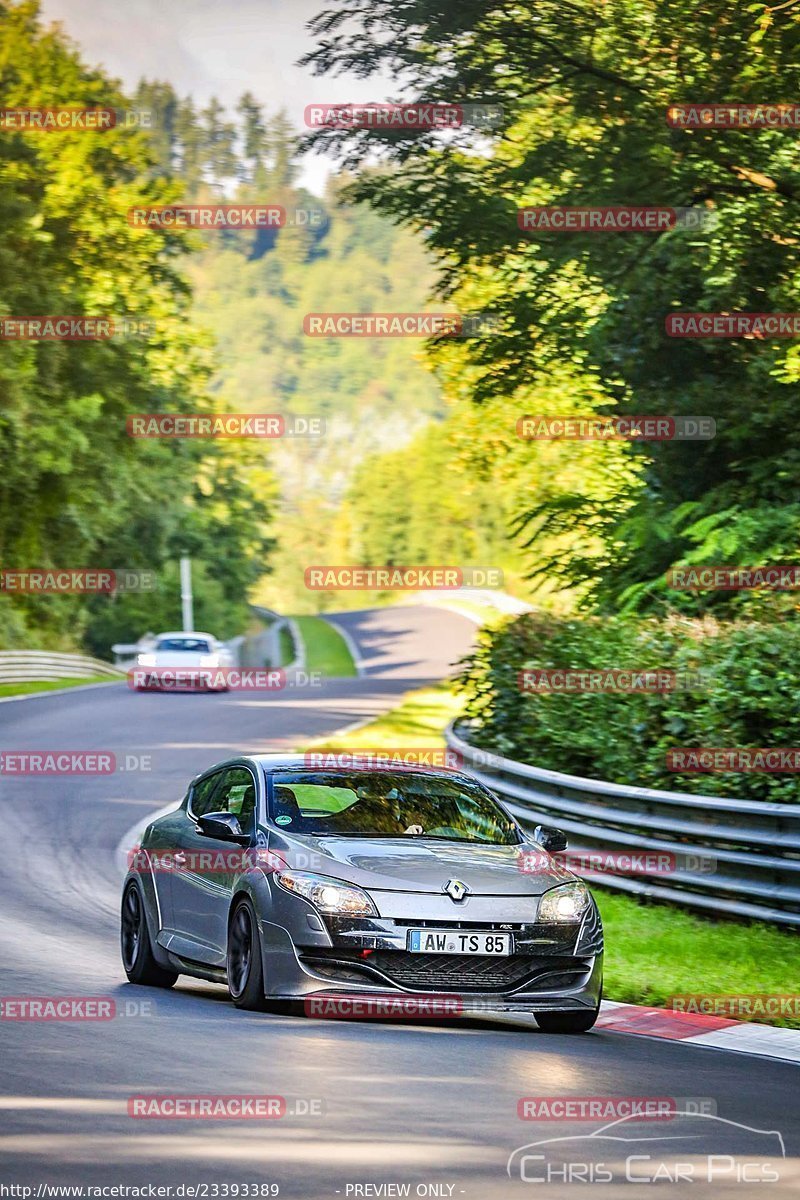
{"x": 428, "y": 1106}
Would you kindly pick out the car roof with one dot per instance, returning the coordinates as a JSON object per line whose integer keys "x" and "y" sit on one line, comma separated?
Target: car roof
{"x": 300, "y": 761}
{"x": 187, "y": 633}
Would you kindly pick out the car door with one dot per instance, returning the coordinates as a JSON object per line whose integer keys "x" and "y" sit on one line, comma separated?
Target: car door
{"x": 202, "y": 886}
{"x": 169, "y": 846}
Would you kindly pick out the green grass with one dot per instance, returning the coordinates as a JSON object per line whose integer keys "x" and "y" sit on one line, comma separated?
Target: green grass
{"x": 326, "y": 649}
{"x": 417, "y": 723}
{"x": 285, "y": 646}
{"x": 653, "y": 951}
{"x": 49, "y": 685}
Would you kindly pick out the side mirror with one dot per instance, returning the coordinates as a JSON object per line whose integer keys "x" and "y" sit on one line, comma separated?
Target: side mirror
{"x": 223, "y": 826}
{"x": 550, "y": 839}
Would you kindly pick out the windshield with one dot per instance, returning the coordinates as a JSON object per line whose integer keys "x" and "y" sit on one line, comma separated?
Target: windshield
{"x": 389, "y": 804}
{"x": 198, "y": 645}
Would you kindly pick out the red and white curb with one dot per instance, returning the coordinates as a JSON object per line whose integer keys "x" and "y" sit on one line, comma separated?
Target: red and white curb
{"x": 721, "y": 1033}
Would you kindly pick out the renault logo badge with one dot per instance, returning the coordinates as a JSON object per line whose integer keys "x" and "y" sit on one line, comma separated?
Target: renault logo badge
{"x": 455, "y": 889}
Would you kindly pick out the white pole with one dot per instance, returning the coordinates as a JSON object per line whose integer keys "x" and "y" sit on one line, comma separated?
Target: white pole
{"x": 187, "y": 604}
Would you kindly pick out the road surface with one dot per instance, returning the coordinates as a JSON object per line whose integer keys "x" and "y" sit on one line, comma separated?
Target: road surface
{"x": 432, "y": 1108}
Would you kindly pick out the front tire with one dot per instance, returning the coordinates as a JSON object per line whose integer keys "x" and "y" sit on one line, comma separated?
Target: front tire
{"x": 137, "y": 951}
{"x": 568, "y": 1022}
{"x": 580, "y": 1021}
{"x": 244, "y": 963}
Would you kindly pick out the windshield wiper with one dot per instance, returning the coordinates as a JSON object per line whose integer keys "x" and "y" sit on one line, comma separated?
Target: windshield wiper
{"x": 402, "y": 837}
{"x": 443, "y": 837}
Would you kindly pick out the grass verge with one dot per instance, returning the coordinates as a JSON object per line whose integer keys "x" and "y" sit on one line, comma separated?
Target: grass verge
{"x": 285, "y": 646}
{"x": 416, "y": 723}
{"x": 653, "y": 951}
{"x": 326, "y": 649}
{"x": 49, "y": 685}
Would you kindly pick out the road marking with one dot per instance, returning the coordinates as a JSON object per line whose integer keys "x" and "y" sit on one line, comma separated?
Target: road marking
{"x": 719, "y": 1033}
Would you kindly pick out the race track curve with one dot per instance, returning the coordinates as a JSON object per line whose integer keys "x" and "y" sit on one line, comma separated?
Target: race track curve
{"x": 395, "y": 1103}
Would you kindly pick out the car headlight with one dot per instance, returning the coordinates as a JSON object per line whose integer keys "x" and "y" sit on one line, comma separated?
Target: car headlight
{"x": 327, "y": 895}
{"x": 209, "y": 660}
{"x": 565, "y": 903}
{"x": 146, "y": 660}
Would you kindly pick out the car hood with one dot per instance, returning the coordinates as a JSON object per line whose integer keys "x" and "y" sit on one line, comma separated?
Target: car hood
{"x": 418, "y": 865}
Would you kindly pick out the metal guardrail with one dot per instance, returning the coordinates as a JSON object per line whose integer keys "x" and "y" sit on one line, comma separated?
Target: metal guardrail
{"x": 738, "y": 857}
{"x": 31, "y": 666}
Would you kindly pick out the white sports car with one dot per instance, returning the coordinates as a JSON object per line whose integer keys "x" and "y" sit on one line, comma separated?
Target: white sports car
{"x": 183, "y": 661}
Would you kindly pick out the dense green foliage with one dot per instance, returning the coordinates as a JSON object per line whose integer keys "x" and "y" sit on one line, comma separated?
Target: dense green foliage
{"x": 251, "y": 292}
{"x": 75, "y": 489}
{"x": 584, "y": 93}
{"x": 228, "y": 311}
{"x": 746, "y": 696}
{"x": 452, "y": 495}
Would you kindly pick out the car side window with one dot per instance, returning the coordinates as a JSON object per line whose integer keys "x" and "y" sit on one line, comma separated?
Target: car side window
{"x": 237, "y": 795}
{"x": 202, "y": 794}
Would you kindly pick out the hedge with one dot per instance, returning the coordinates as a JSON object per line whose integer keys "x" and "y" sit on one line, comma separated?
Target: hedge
{"x": 747, "y": 695}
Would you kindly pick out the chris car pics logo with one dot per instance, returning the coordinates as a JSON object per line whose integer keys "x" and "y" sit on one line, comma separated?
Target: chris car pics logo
{"x": 695, "y": 1148}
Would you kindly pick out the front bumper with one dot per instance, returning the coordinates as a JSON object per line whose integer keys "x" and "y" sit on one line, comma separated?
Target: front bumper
{"x": 186, "y": 679}
{"x": 553, "y": 967}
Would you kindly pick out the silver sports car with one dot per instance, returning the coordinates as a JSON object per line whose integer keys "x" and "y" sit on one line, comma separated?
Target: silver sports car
{"x": 292, "y": 883}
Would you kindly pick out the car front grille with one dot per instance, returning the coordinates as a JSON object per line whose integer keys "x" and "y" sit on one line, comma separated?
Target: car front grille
{"x": 456, "y": 972}
{"x": 402, "y": 923}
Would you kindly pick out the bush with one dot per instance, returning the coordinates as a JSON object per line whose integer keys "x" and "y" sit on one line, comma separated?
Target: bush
{"x": 747, "y": 697}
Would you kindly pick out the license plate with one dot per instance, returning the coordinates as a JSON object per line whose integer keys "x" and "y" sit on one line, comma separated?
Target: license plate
{"x": 458, "y": 941}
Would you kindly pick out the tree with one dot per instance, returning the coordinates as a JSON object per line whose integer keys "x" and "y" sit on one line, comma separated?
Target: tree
{"x": 76, "y": 490}
{"x": 584, "y": 95}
